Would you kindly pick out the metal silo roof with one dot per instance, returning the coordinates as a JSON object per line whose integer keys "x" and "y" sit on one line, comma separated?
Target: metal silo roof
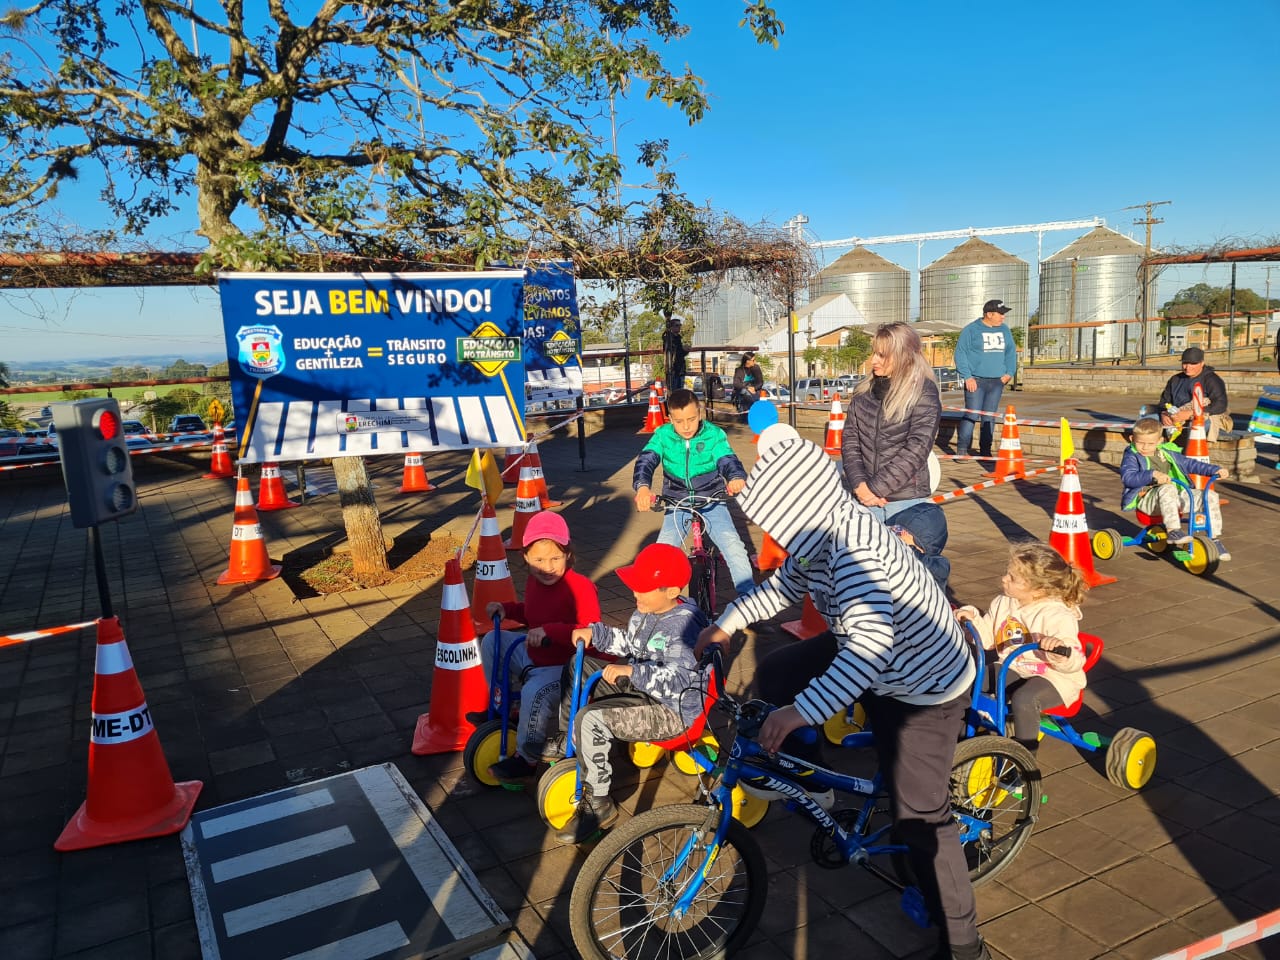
{"x": 974, "y": 250}
{"x": 1099, "y": 242}
{"x": 861, "y": 260}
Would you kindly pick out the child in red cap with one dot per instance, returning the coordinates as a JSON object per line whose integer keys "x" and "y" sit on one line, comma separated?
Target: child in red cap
{"x": 653, "y": 691}
{"x": 556, "y": 600}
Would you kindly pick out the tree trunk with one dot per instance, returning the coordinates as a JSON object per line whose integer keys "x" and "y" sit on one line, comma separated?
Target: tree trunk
{"x": 360, "y": 514}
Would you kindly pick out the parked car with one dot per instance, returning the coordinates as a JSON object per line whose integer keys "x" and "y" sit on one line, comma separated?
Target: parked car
{"x": 848, "y": 383}
{"x": 775, "y": 391}
{"x": 815, "y": 390}
{"x": 22, "y": 447}
{"x": 948, "y": 378}
{"x": 187, "y": 423}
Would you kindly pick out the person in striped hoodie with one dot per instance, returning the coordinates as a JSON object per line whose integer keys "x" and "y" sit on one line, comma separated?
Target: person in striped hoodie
{"x": 893, "y": 645}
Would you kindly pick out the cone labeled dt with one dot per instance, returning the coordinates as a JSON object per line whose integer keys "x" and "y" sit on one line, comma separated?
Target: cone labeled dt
{"x": 540, "y": 479}
{"x": 458, "y": 683}
{"x": 131, "y": 794}
{"x": 653, "y": 418}
{"x": 1009, "y": 461}
{"x": 271, "y": 495}
{"x": 1070, "y": 534}
{"x": 835, "y": 429}
{"x": 527, "y": 504}
{"x": 249, "y": 558}
{"x": 493, "y": 583}
{"x": 415, "y": 475}
{"x": 220, "y": 460}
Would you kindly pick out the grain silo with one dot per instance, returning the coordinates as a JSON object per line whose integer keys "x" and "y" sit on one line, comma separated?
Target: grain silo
{"x": 955, "y": 286}
{"x": 879, "y": 289}
{"x": 1095, "y": 278}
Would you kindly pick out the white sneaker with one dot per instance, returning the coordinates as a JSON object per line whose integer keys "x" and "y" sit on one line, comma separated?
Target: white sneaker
{"x": 1178, "y": 537}
{"x": 1223, "y": 552}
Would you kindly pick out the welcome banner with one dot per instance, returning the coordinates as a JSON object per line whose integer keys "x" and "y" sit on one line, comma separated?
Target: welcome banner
{"x": 335, "y": 365}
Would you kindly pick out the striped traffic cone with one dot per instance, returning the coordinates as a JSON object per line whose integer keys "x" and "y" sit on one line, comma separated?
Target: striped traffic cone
{"x": 512, "y": 461}
{"x": 493, "y": 581}
{"x": 771, "y": 556}
{"x": 220, "y": 460}
{"x": 249, "y": 559}
{"x": 458, "y": 684}
{"x": 527, "y": 504}
{"x": 1009, "y": 462}
{"x": 271, "y": 495}
{"x": 835, "y": 429}
{"x": 540, "y": 479}
{"x": 415, "y": 475}
{"x": 810, "y": 623}
{"x": 1070, "y": 533}
{"x": 653, "y": 418}
{"x": 1198, "y": 449}
{"x": 131, "y": 794}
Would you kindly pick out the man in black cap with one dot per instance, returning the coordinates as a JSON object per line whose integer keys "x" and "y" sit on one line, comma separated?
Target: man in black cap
{"x": 673, "y": 354}
{"x": 987, "y": 359}
{"x": 1177, "y": 402}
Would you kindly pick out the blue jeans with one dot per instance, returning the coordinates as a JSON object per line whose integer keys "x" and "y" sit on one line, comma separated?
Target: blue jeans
{"x": 987, "y": 399}
{"x": 720, "y": 528}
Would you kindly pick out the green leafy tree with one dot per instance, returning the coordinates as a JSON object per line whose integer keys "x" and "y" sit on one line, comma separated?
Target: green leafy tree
{"x": 854, "y": 350}
{"x": 410, "y": 130}
{"x": 165, "y": 408}
{"x": 181, "y": 370}
{"x": 4, "y": 376}
{"x": 1200, "y": 299}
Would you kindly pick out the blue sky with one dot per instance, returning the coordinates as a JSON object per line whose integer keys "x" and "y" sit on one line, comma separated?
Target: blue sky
{"x": 875, "y": 119}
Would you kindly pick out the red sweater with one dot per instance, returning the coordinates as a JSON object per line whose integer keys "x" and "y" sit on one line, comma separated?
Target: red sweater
{"x": 568, "y": 603}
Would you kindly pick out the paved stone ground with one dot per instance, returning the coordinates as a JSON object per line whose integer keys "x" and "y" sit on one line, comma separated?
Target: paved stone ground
{"x": 253, "y": 689}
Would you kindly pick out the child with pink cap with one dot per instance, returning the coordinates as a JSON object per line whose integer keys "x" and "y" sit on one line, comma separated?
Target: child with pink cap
{"x": 557, "y": 600}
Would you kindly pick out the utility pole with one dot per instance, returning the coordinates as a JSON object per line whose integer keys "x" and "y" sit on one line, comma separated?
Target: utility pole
{"x": 1148, "y": 221}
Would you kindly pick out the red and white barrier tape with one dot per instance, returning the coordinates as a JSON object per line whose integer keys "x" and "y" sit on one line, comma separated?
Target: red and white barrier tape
{"x": 1083, "y": 425}
{"x": 1266, "y": 925}
{"x": 943, "y": 497}
{"x": 37, "y": 634}
{"x": 995, "y": 456}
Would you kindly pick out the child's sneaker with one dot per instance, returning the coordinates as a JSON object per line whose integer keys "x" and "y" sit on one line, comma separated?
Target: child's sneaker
{"x": 1223, "y": 552}
{"x": 513, "y": 769}
{"x": 1178, "y": 537}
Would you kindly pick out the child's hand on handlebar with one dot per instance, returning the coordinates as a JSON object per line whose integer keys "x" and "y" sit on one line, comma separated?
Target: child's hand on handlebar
{"x": 1222, "y": 474}
{"x": 708, "y": 636}
{"x": 537, "y": 637}
{"x": 581, "y": 634}
{"x": 494, "y": 609}
{"x": 777, "y": 725}
{"x": 644, "y": 499}
{"x": 615, "y": 671}
{"x": 734, "y": 486}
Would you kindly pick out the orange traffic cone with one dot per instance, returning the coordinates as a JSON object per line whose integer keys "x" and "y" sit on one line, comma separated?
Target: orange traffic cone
{"x": 540, "y": 479}
{"x": 512, "y": 461}
{"x": 1009, "y": 462}
{"x": 131, "y": 794}
{"x": 271, "y": 495}
{"x": 458, "y": 684}
{"x": 220, "y": 459}
{"x": 415, "y": 475}
{"x": 249, "y": 559}
{"x": 527, "y": 504}
{"x": 810, "y": 623}
{"x": 771, "y": 555}
{"x": 1070, "y": 534}
{"x": 1198, "y": 449}
{"x": 654, "y": 418}
{"x": 835, "y": 429}
{"x": 493, "y": 576}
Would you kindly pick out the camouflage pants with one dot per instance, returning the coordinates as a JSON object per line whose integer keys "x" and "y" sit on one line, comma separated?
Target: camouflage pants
{"x": 629, "y": 717}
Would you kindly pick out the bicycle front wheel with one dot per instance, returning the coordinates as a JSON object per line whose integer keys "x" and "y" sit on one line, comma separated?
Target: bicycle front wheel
{"x": 703, "y": 583}
{"x": 624, "y": 898}
{"x": 995, "y": 797}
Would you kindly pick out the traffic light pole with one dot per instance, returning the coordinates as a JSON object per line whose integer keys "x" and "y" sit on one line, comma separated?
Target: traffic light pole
{"x": 100, "y": 572}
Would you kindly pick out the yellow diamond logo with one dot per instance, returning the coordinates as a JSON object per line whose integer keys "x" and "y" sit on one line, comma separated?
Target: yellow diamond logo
{"x": 559, "y": 348}
{"x": 489, "y": 349}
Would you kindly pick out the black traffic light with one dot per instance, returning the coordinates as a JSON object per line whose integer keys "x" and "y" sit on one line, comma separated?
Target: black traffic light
{"x": 95, "y": 461}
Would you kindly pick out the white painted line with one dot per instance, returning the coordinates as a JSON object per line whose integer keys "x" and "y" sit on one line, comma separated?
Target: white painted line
{"x": 231, "y": 822}
{"x": 289, "y": 852}
{"x": 443, "y": 879}
{"x": 359, "y": 946}
{"x": 290, "y": 905}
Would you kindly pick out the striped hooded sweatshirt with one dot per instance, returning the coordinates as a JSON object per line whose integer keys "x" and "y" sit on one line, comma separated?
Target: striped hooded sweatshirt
{"x": 896, "y": 634}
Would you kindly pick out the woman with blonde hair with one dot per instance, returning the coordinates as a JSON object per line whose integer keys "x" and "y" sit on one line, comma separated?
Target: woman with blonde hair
{"x": 891, "y": 425}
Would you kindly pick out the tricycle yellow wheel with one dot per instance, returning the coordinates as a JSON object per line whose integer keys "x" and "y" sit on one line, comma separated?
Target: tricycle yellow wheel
{"x": 644, "y": 754}
{"x": 1157, "y": 538}
{"x": 1202, "y": 556}
{"x": 847, "y": 721}
{"x": 1131, "y": 758}
{"x": 483, "y": 750}
{"x": 556, "y": 788}
{"x": 1106, "y": 544}
{"x": 707, "y": 746}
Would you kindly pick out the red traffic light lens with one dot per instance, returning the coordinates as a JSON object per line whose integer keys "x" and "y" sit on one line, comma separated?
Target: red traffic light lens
{"x": 108, "y": 424}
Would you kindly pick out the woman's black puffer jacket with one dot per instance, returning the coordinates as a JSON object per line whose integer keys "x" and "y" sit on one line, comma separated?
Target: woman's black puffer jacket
{"x": 892, "y": 458}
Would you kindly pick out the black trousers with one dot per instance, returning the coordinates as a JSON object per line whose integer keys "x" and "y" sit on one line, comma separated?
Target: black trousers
{"x": 915, "y": 746}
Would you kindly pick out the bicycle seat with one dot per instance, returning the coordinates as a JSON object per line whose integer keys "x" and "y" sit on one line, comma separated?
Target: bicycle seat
{"x": 1092, "y": 651}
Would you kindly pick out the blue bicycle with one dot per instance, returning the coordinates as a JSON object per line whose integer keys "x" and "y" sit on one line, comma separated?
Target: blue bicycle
{"x": 689, "y": 881}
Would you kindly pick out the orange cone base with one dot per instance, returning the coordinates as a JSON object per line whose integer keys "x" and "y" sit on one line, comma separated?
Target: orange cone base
{"x": 428, "y": 739}
{"x": 82, "y": 832}
{"x": 800, "y": 630}
{"x": 810, "y": 623}
{"x": 425, "y": 487}
{"x": 270, "y": 572}
{"x": 548, "y": 503}
{"x": 287, "y": 504}
{"x": 220, "y": 471}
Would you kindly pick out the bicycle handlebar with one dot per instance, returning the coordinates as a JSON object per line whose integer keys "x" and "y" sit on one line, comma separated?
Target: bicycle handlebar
{"x": 694, "y": 502}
